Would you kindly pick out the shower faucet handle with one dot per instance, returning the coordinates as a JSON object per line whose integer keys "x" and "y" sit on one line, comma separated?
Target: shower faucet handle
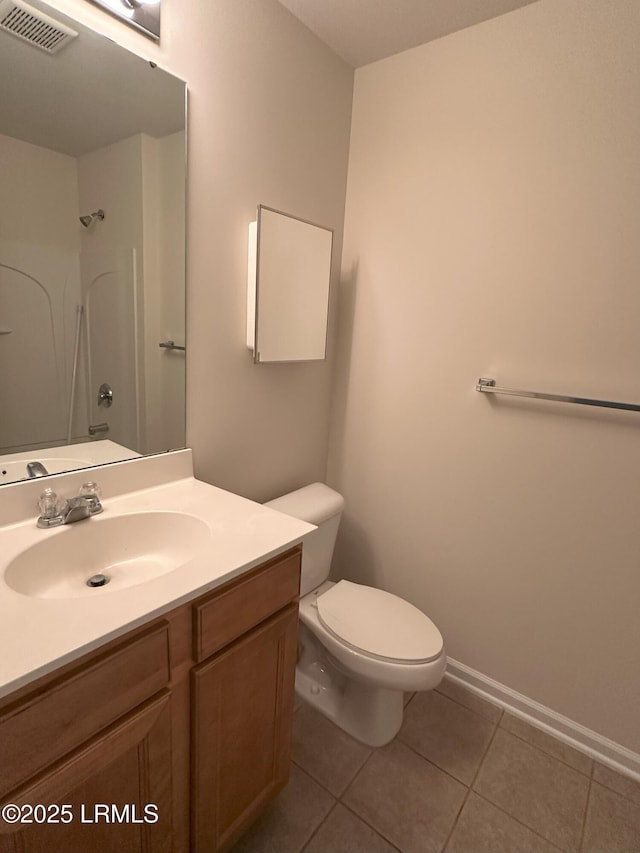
{"x": 105, "y": 395}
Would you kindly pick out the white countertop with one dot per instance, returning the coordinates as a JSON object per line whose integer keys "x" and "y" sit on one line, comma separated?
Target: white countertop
{"x": 40, "y": 634}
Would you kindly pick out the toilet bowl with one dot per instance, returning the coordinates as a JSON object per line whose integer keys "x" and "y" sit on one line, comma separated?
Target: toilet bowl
{"x": 361, "y": 649}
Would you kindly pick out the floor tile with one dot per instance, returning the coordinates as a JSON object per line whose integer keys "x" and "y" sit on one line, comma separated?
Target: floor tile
{"x": 613, "y": 823}
{"x": 624, "y": 785}
{"x": 327, "y": 753}
{"x": 535, "y": 788}
{"x": 289, "y": 822}
{"x": 483, "y": 828}
{"x": 470, "y": 700}
{"x": 343, "y": 832}
{"x": 449, "y": 735}
{"x": 406, "y": 799}
{"x": 547, "y": 743}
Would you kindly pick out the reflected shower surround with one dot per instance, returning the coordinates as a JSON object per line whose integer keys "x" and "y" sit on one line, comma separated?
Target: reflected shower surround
{"x": 89, "y": 290}
{"x": 144, "y": 15}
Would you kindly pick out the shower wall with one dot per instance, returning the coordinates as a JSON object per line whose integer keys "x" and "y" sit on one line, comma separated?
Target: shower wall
{"x": 39, "y": 288}
{"x": 125, "y": 271}
{"x": 112, "y": 274}
{"x": 131, "y": 180}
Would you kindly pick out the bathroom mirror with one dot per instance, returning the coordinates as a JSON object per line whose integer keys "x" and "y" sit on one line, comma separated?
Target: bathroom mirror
{"x": 92, "y": 248}
{"x": 288, "y": 287}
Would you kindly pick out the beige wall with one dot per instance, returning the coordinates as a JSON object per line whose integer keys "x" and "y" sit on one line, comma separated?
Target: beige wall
{"x": 493, "y": 212}
{"x": 269, "y": 123}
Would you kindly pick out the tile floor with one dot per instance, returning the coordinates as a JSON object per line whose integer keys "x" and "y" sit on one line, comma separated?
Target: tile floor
{"x": 461, "y": 777}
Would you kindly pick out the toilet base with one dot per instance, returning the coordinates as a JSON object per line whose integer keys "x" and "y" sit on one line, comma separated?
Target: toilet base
{"x": 372, "y": 715}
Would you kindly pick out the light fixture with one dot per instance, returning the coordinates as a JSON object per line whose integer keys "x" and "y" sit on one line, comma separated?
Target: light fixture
{"x": 144, "y": 15}
{"x": 136, "y": 4}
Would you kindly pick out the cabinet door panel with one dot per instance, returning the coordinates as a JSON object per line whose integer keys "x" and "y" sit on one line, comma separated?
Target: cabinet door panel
{"x": 243, "y": 701}
{"x": 127, "y": 767}
{"x": 50, "y": 723}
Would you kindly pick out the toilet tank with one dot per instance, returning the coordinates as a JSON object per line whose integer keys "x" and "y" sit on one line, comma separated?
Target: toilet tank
{"x": 319, "y": 505}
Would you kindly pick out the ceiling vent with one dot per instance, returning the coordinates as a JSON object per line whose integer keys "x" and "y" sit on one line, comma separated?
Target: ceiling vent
{"x": 34, "y": 26}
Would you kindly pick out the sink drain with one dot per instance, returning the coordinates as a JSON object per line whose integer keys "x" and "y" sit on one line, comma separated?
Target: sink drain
{"x": 98, "y": 580}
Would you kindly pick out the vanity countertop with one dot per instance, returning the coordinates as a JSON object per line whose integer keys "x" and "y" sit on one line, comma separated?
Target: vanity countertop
{"x": 39, "y": 634}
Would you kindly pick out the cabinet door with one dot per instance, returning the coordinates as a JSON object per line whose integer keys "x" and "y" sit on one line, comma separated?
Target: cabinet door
{"x": 243, "y": 710}
{"x": 105, "y": 786}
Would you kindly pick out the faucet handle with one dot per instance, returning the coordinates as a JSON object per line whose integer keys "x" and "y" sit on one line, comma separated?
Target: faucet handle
{"x": 48, "y": 504}
{"x": 92, "y": 493}
{"x": 50, "y": 509}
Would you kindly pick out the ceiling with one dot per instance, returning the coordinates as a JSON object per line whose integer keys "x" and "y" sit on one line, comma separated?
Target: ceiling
{"x": 363, "y": 31}
{"x": 90, "y": 94}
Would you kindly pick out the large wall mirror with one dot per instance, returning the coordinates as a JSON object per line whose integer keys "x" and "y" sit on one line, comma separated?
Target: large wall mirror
{"x": 92, "y": 252}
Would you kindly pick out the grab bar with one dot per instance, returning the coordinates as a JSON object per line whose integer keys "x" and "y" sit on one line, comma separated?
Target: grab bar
{"x": 489, "y": 386}
{"x": 171, "y": 345}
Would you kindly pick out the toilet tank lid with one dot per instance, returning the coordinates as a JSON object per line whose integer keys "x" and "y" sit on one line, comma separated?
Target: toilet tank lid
{"x": 314, "y": 503}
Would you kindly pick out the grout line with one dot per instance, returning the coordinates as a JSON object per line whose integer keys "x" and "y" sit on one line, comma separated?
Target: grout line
{"x": 614, "y": 755}
{"x": 433, "y": 763}
{"x": 470, "y": 787}
{"x": 322, "y": 823}
{"x": 317, "y": 781}
{"x": 544, "y": 751}
{"x": 374, "y": 749}
{"x": 586, "y": 812}
{"x": 519, "y": 822}
{"x": 608, "y": 787}
{"x": 324, "y": 786}
{"x": 313, "y": 779}
{"x": 513, "y": 817}
{"x": 371, "y": 827}
{"x": 467, "y": 708}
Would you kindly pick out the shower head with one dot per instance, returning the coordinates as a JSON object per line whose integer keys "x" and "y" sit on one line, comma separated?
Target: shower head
{"x": 87, "y": 220}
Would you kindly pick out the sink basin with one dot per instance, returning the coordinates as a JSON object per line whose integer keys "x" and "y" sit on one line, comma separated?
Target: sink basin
{"x": 127, "y": 549}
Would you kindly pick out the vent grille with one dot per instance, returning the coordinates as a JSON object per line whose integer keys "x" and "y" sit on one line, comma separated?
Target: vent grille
{"x": 31, "y": 25}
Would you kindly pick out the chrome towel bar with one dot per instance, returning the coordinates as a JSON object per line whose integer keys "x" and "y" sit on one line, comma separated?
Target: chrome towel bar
{"x": 489, "y": 386}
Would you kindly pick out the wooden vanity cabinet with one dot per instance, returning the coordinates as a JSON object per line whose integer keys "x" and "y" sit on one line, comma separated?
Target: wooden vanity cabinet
{"x": 242, "y": 700}
{"x": 169, "y": 739}
{"x": 99, "y": 732}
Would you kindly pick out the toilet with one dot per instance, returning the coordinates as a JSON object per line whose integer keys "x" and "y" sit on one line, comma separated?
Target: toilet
{"x": 360, "y": 649}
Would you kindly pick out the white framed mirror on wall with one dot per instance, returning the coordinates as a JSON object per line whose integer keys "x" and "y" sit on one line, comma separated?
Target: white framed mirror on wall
{"x": 289, "y": 272}
{"x": 92, "y": 252}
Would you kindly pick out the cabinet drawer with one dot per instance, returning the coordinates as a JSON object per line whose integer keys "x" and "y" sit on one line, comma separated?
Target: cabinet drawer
{"x": 57, "y": 718}
{"x": 244, "y": 602}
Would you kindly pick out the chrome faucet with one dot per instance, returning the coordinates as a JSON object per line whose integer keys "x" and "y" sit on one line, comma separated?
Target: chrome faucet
{"x": 36, "y": 469}
{"x": 54, "y": 512}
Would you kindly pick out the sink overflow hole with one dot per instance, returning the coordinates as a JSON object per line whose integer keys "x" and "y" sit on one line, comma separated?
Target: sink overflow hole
{"x": 98, "y": 580}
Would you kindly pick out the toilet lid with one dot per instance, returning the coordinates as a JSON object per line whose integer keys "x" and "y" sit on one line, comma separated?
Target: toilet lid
{"x": 379, "y": 623}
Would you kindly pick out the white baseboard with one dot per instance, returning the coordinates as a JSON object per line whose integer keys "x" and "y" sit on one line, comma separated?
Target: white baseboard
{"x": 601, "y": 748}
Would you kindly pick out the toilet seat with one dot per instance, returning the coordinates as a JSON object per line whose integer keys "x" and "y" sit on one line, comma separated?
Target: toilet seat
{"x": 379, "y": 624}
